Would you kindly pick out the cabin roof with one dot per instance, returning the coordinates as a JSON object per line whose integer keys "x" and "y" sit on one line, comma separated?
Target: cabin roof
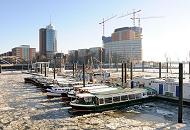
{"x": 83, "y": 95}
{"x": 94, "y": 87}
{"x": 120, "y": 92}
{"x": 103, "y": 90}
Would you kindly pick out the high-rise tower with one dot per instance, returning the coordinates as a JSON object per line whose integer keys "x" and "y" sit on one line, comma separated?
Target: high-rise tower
{"x": 48, "y": 41}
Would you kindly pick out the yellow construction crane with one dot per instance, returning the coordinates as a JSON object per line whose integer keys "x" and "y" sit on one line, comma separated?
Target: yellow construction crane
{"x": 103, "y": 22}
{"x": 133, "y": 13}
{"x": 139, "y": 19}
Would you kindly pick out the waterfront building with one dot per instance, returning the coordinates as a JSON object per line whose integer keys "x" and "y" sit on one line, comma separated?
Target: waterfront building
{"x": 73, "y": 56}
{"x": 83, "y": 56}
{"x": 24, "y": 52}
{"x": 48, "y": 42}
{"x": 9, "y": 53}
{"x": 97, "y": 54}
{"x": 125, "y": 45}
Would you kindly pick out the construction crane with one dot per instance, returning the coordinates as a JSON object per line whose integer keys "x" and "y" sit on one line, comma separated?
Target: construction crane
{"x": 103, "y": 22}
{"x": 133, "y": 13}
{"x": 139, "y": 19}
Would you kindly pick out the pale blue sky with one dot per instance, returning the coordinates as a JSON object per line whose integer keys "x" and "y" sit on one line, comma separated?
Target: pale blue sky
{"x": 76, "y": 22}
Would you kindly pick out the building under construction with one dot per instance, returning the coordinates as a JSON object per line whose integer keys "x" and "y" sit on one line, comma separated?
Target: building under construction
{"x": 125, "y": 45}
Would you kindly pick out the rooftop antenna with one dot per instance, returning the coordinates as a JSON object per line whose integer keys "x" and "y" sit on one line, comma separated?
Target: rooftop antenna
{"x": 50, "y": 19}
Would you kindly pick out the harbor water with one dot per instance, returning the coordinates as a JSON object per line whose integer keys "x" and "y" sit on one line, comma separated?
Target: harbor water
{"x": 24, "y": 106}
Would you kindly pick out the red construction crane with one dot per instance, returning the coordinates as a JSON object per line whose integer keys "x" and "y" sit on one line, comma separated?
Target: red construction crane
{"x": 106, "y": 21}
{"x": 133, "y": 13}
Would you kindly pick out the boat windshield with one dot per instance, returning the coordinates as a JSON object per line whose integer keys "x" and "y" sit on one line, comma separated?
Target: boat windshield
{"x": 85, "y": 100}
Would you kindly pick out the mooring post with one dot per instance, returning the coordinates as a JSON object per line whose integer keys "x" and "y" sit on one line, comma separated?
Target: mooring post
{"x": 54, "y": 70}
{"x": 125, "y": 66}
{"x": 45, "y": 69}
{"x": 142, "y": 66}
{"x": 122, "y": 73}
{"x": 180, "y": 103}
{"x": 189, "y": 70}
{"x": 131, "y": 75}
{"x": 83, "y": 69}
{"x": 160, "y": 70}
{"x": 167, "y": 67}
{"x": 41, "y": 68}
{"x": 73, "y": 69}
{"x": 0, "y": 68}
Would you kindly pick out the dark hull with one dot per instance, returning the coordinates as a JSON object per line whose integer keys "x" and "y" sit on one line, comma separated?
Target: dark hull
{"x": 37, "y": 83}
{"x": 100, "y": 108}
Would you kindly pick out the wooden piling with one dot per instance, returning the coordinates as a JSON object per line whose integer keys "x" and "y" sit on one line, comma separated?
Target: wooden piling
{"x": 45, "y": 70}
{"x": 125, "y": 66}
{"x": 142, "y": 66}
{"x": 180, "y": 103}
{"x": 189, "y": 70}
{"x": 167, "y": 67}
{"x": 122, "y": 73}
{"x": 73, "y": 69}
{"x": 83, "y": 69}
{"x": 131, "y": 71}
{"x": 160, "y": 70}
{"x": 0, "y": 69}
{"x": 41, "y": 68}
{"x": 54, "y": 70}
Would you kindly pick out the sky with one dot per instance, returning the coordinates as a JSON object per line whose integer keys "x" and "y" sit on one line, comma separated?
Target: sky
{"x": 77, "y": 24}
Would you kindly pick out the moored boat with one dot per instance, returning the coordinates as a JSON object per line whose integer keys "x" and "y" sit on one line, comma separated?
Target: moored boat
{"x": 105, "y": 100}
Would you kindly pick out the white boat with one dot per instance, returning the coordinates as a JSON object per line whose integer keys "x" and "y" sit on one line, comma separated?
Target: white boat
{"x": 57, "y": 90}
{"x": 80, "y": 89}
{"x": 110, "y": 98}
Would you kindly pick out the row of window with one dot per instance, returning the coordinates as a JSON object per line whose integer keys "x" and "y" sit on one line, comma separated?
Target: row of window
{"x": 119, "y": 98}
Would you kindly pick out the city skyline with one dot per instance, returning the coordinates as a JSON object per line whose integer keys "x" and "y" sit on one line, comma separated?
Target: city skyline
{"x": 77, "y": 24}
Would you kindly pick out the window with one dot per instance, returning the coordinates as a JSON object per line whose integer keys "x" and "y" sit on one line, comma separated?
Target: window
{"x": 108, "y": 100}
{"x": 138, "y": 96}
{"x": 132, "y": 96}
{"x": 101, "y": 100}
{"x": 116, "y": 99}
{"x": 124, "y": 97}
{"x": 165, "y": 87}
{"x": 149, "y": 93}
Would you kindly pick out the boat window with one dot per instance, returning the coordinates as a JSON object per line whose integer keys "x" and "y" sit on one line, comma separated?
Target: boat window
{"x": 153, "y": 92}
{"x": 101, "y": 100}
{"x": 88, "y": 99}
{"x": 116, "y": 99}
{"x": 108, "y": 100}
{"x": 124, "y": 97}
{"x": 138, "y": 96}
{"x": 132, "y": 96}
{"x": 144, "y": 94}
{"x": 149, "y": 93}
{"x": 165, "y": 87}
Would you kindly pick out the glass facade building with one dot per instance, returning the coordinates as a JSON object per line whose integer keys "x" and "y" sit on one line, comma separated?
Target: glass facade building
{"x": 48, "y": 42}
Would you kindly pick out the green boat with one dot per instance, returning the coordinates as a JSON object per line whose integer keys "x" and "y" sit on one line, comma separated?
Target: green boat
{"x": 111, "y": 98}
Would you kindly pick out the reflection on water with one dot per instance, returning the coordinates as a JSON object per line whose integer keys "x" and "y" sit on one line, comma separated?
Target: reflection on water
{"x": 23, "y": 106}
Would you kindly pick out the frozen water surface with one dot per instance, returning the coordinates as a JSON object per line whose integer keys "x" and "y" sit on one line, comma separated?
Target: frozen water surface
{"x": 23, "y": 106}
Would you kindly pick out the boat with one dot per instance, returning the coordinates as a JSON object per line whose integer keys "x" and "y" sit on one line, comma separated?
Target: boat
{"x": 56, "y": 90}
{"x": 110, "y": 98}
{"x": 87, "y": 88}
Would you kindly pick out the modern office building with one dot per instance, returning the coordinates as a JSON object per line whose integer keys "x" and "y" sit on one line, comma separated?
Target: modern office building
{"x": 42, "y": 41}
{"x": 24, "y": 52}
{"x": 48, "y": 42}
{"x": 125, "y": 45}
